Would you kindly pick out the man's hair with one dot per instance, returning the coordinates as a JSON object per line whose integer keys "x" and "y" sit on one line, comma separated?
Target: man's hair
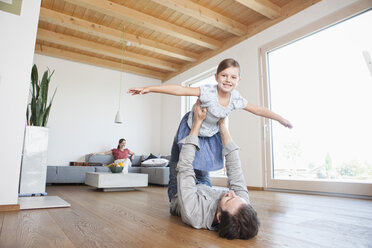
{"x": 242, "y": 225}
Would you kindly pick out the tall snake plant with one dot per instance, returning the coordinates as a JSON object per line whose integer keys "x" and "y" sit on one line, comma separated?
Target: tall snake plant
{"x": 37, "y": 110}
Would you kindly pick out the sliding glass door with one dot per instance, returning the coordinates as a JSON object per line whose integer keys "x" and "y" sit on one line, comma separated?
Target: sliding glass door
{"x": 322, "y": 83}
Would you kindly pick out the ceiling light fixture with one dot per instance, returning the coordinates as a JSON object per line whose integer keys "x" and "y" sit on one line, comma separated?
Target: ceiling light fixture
{"x": 118, "y": 118}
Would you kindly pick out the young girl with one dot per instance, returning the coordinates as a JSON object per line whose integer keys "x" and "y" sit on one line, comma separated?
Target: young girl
{"x": 220, "y": 100}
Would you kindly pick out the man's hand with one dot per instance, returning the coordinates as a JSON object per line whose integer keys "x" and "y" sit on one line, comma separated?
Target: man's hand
{"x": 199, "y": 113}
{"x": 199, "y": 116}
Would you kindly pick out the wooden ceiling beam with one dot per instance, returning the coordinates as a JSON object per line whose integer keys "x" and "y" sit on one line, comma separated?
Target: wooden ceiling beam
{"x": 80, "y": 25}
{"x": 138, "y": 18}
{"x": 90, "y": 46}
{"x": 264, "y": 7}
{"x": 205, "y": 15}
{"x": 288, "y": 10}
{"x": 82, "y": 58}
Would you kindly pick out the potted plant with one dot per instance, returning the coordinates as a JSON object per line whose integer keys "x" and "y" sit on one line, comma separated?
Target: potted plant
{"x": 39, "y": 96}
{"x": 35, "y": 149}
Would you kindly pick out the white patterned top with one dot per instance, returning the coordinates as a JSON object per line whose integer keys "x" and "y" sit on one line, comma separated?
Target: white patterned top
{"x": 209, "y": 99}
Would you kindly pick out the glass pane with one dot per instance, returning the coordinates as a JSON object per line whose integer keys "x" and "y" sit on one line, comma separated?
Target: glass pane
{"x": 322, "y": 84}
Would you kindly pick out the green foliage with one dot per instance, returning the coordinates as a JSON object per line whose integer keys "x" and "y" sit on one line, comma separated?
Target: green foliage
{"x": 351, "y": 169}
{"x": 328, "y": 162}
{"x": 292, "y": 150}
{"x": 38, "y": 110}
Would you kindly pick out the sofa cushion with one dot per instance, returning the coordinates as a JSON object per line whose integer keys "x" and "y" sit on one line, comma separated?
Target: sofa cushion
{"x": 101, "y": 169}
{"x": 157, "y": 175}
{"x": 134, "y": 169}
{"x": 167, "y": 157}
{"x": 136, "y": 161}
{"x": 51, "y": 174}
{"x": 104, "y": 159}
{"x": 73, "y": 174}
{"x": 157, "y": 162}
{"x": 151, "y": 156}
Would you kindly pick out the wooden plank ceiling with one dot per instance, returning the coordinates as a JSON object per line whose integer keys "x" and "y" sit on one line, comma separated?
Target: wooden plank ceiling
{"x": 167, "y": 37}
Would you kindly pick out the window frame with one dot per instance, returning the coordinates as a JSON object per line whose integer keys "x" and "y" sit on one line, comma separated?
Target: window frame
{"x": 293, "y": 184}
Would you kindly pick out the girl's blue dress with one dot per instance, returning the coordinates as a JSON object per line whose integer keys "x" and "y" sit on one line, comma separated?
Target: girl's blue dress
{"x": 209, "y": 157}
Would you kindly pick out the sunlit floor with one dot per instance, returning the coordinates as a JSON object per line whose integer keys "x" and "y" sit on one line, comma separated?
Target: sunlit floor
{"x": 141, "y": 219}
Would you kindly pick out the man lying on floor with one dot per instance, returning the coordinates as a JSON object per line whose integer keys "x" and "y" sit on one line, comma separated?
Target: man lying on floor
{"x": 201, "y": 206}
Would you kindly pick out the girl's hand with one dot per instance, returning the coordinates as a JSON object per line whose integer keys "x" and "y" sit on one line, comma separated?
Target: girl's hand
{"x": 286, "y": 123}
{"x": 138, "y": 91}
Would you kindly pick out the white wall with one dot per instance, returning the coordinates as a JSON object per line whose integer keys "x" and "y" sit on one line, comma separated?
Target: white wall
{"x": 246, "y": 129}
{"x": 17, "y": 43}
{"x": 83, "y": 112}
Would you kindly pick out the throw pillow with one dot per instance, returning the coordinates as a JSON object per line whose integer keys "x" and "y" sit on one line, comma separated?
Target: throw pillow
{"x": 136, "y": 161}
{"x": 156, "y": 162}
{"x": 151, "y": 156}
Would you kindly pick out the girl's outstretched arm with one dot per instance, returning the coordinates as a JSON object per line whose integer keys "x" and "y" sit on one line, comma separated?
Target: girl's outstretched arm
{"x": 170, "y": 89}
{"x": 265, "y": 112}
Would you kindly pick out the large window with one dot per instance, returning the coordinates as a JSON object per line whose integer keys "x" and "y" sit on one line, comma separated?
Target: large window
{"x": 323, "y": 85}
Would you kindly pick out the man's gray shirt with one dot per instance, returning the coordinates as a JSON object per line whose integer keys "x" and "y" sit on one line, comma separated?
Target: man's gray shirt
{"x": 197, "y": 203}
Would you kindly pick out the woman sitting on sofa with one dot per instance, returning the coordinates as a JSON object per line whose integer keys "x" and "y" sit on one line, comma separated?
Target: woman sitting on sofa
{"x": 121, "y": 154}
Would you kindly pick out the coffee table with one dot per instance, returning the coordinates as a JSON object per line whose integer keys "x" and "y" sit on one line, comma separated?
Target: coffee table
{"x": 108, "y": 181}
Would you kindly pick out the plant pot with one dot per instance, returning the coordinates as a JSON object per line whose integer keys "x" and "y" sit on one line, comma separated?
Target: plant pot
{"x": 34, "y": 161}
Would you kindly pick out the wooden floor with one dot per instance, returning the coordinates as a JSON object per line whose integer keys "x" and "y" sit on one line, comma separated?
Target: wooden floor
{"x": 141, "y": 219}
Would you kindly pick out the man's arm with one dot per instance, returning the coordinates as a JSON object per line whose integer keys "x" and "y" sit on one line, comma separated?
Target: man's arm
{"x": 188, "y": 198}
{"x": 235, "y": 176}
